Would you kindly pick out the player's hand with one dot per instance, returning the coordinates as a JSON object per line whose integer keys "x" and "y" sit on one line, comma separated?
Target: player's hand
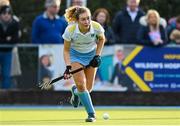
{"x": 67, "y": 73}
{"x": 96, "y": 61}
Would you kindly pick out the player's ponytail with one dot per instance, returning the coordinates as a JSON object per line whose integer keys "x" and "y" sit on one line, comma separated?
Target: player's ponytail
{"x": 72, "y": 13}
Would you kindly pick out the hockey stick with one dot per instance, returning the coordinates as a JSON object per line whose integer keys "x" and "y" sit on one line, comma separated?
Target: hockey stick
{"x": 46, "y": 85}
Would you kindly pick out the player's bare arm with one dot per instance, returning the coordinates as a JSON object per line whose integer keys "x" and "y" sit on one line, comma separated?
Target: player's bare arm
{"x": 100, "y": 44}
{"x": 67, "y": 46}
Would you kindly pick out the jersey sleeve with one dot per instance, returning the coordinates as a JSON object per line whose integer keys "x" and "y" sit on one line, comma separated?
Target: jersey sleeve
{"x": 67, "y": 35}
{"x": 100, "y": 30}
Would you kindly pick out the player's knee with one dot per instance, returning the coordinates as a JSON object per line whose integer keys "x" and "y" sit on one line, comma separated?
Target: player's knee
{"x": 81, "y": 85}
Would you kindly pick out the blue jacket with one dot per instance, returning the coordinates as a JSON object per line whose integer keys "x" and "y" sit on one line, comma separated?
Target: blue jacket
{"x": 125, "y": 29}
{"x": 47, "y": 31}
{"x": 144, "y": 39}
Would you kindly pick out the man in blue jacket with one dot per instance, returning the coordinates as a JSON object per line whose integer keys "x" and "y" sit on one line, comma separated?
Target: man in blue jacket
{"x": 49, "y": 27}
{"x": 126, "y": 23}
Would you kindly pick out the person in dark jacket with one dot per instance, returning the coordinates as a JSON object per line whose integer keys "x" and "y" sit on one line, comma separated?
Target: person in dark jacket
{"x": 154, "y": 33}
{"x": 102, "y": 16}
{"x": 126, "y": 23}
{"x": 9, "y": 35}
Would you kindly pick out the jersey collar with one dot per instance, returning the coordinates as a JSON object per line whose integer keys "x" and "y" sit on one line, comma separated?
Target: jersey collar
{"x": 46, "y": 16}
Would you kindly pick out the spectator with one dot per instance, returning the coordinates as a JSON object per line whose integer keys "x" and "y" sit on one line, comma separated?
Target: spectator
{"x": 9, "y": 35}
{"x": 175, "y": 36}
{"x": 48, "y": 27}
{"x": 126, "y": 23}
{"x": 152, "y": 34}
{"x": 76, "y": 3}
{"x": 102, "y": 16}
{"x": 162, "y": 21}
{"x": 123, "y": 79}
{"x": 174, "y": 30}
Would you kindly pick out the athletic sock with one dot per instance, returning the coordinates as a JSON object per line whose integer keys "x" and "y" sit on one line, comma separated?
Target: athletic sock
{"x": 76, "y": 91}
{"x": 86, "y": 101}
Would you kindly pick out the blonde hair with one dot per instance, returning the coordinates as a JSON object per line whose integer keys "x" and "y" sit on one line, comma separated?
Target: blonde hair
{"x": 152, "y": 11}
{"x": 72, "y": 13}
{"x": 4, "y": 2}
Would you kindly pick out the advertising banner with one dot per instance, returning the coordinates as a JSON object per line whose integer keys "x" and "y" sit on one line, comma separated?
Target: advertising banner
{"x": 123, "y": 68}
{"x": 154, "y": 69}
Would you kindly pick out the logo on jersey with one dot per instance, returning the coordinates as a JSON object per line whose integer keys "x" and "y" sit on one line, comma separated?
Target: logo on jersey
{"x": 92, "y": 35}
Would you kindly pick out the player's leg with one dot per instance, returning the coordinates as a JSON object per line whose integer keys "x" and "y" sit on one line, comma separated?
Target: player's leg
{"x": 90, "y": 74}
{"x": 80, "y": 85}
{"x": 83, "y": 93}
